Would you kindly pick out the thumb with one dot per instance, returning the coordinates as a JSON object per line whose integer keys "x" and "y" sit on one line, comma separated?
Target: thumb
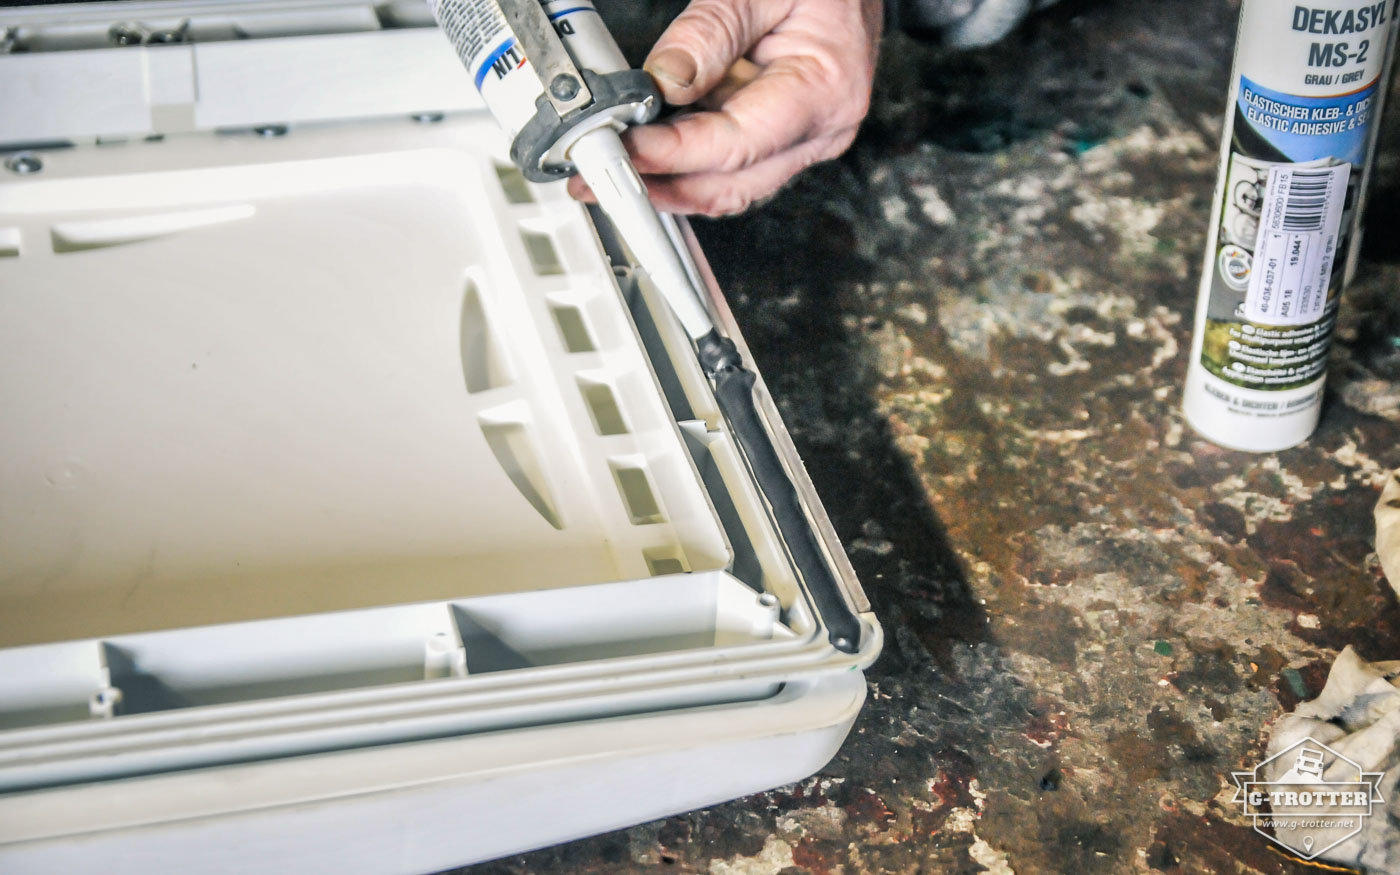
{"x": 691, "y": 57}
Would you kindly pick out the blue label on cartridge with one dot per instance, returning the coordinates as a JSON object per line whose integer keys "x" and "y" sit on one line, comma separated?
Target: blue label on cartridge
{"x": 1309, "y": 128}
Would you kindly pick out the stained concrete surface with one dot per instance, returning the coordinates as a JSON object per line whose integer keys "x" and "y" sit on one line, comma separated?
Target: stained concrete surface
{"x": 976, "y": 327}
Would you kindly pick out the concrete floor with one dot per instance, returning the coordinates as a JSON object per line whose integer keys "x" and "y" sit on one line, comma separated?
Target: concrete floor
{"x": 976, "y": 325}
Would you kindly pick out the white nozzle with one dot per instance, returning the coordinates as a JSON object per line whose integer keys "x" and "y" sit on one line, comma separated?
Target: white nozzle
{"x": 603, "y": 162}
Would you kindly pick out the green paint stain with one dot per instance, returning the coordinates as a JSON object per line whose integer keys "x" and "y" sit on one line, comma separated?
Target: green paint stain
{"x": 1163, "y": 648}
{"x": 1295, "y": 682}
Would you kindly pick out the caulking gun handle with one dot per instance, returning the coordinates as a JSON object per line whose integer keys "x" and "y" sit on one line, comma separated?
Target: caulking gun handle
{"x": 734, "y": 385}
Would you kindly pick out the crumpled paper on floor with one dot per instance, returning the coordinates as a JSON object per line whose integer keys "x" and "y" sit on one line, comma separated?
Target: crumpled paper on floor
{"x": 1358, "y": 716}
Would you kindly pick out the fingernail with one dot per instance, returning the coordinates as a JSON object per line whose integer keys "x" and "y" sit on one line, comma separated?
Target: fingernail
{"x": 676, "y": 66}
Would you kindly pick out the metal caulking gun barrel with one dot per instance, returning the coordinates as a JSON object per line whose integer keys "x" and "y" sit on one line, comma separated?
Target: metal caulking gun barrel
{"x": 553, "y": 77}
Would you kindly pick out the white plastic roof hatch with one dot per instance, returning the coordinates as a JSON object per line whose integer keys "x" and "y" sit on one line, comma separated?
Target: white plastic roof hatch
{"x": 360, "y": 505}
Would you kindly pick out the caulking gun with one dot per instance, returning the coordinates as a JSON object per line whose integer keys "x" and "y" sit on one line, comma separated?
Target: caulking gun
{"x": 553, "y": 77}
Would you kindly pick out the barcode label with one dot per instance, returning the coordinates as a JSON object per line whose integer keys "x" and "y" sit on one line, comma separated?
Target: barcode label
{"x": 1301, "y": 216}
{"x": 1306, "y": 203}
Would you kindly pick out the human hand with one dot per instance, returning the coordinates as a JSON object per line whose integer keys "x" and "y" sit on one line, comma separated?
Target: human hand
{"x": 781, "y": 85}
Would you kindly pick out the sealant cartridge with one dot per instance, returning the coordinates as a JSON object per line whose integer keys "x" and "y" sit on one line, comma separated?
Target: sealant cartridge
{"x": 1300, "y": 135}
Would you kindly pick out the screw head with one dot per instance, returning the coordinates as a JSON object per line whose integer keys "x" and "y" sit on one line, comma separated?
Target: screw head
{"x": 125, "y": 34}
{"x": 271, "y": 131}
{"x": 428, "y": 118}
{"x": 564, "y": 87}
{"x": 24, "y": 163}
